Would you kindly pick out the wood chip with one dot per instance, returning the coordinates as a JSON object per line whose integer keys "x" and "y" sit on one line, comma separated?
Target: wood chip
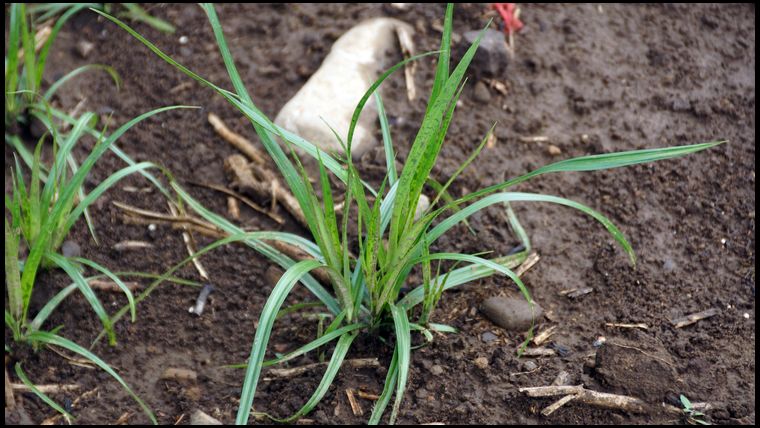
{"x": 407, "y": 48}
{"x": 562, "y": 379}
{"x": 233, "y": 208}
{"x": 355, "y": 407}
{"x": 529, "y": 262}
{"x": 639, "y": 325}
{"x": 534, "y": 139}
{"x": 574, "y": 293}
{"x": 10, "y": 401}
{"x": 579, "y": 292}
{"x": 238, "y": 141}
{"x": 131, "y": 245}
{"x": 557, "y": 404}
{"x": 691, "y": 319}
{"x": 178, "y": 374}
{"x": 542, "y": 337}
{"x": 538, "y": 352}
{"x": 108, "y": 285}
{"x": 367, "y": 395}
{"x": 296, "y": 371}
{"x": 500, "y": 87}
{"x": 491, "y": 143}
{"x": 123, "y": 419}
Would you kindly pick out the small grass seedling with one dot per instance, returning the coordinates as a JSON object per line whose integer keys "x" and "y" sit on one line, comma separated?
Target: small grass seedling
{"x": 692, "y": 416}
{"x": 365, "y": 295}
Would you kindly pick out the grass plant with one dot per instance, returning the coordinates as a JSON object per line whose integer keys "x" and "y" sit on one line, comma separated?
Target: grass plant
{"x": 41, "y": 216}
{"x": 364, "y": 295}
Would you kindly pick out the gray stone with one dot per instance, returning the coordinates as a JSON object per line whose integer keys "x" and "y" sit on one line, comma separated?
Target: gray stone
{"x": 71, "y": 249}
{"x": 491, "y": 58}
{"x": 436, "y": 370}
{"x": 488, "y": 337}
{"x": 511, "y": 313}
{"x": 84, "y": 48}
{"x": 481, "y": 93}
{"x": 200, "y": 418}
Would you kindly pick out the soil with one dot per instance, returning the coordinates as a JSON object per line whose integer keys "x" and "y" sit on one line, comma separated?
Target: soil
{"x": 593, "y": 79}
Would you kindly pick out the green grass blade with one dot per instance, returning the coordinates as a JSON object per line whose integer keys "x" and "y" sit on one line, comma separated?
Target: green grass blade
{"x": 42, "y": 396}
{"x": 385, "y": 397}
{"x": 53, "y": 303}
{"x": 598, "y": 162}
{"x": 137, "y": 13}
{"x": 448, "y": 223}
{"x": 517, "y": 227}
{"x": 403, "y": 345}
{"x": 268, "y": 251}
{"x": 27, "y": 41}
{"x": 86, "y": 290}
{"x": 442, "y": 69}
{"x": 462, "y": 167}
{"x": 113, "y": 278}
{"x": 42, "y": 58}
{"x": 325, "y": 339}
{"x": 261, "y": 339}
{"x": 11, "y": 65}
{"x": 498, "y": 267}
{"x": 339, "y": 354}
{"x": 12, "y": 273}
{"x": 463, "y": 275}
{"x": 390, "y": 157}
{"x": 52, "y": 339}
{"x": 70, "y": 75}
{"x": 100, "y": 189}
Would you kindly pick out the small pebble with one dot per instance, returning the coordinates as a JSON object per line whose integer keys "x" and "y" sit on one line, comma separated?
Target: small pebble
{"x": 436, "y": 370}
{"x": 481, "y": 362}
{"x": 553, "y": 150}
{"x": 562, "y": 350}
{"x": 511, "y": 313}
{"x": 84, "y": 48}
{"x": 481, "y": 93}
{"x": 179, "y": 374}
{"x": 488, "y": 337}
{"x": 71, "y": 249}
{"x": 529, "y": 366}
{"x": 200, "y": 418}
{"x": 599, "y": 341}
{"x": 746, "y": 315}
{"x": 183, "y": 40}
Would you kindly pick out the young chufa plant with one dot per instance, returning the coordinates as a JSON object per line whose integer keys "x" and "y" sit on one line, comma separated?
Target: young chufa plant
{"x": 41, "y": 216}
{"x": 392, "y": 241}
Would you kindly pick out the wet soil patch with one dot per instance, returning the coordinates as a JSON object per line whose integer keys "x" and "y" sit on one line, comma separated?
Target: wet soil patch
{"x": 593, "y": 79}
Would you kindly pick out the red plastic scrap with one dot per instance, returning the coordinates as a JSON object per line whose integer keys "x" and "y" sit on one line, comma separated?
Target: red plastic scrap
{"x": 509, "y": 13}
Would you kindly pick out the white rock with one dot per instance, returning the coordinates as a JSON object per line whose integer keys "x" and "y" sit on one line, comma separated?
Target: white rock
{"x": 355, "y": 61}
{"x": 200, "y": 418}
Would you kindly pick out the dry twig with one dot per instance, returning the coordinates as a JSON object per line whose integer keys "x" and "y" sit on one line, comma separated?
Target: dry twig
{"x": 691, "y": 319}
{"x": 296, "y": 371}
{"x": 587, "y": 396}
{"x": 237, "y": 140}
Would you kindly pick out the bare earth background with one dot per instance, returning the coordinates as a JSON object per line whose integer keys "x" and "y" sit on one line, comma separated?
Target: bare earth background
{"x": 626, "y": 77}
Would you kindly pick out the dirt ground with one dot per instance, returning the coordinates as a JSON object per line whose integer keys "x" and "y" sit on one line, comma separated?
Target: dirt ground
{"x": 593, "y": 79}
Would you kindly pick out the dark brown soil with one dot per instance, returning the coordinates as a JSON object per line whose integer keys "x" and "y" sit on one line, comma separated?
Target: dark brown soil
{"x": 594, "y": 79}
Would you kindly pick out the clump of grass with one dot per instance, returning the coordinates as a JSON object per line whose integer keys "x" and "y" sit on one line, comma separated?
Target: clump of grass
{"x": 365, "y": 293}
{"x": 25, "y": 60}
{"x": 131, "y": 11}
{"x": 41, "y": 216}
